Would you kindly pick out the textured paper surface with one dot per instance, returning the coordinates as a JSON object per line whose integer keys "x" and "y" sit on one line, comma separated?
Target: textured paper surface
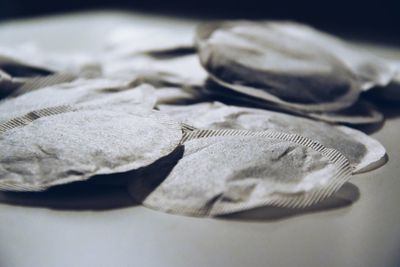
{"x": 77, "y": 92}
{"x": 46, "y": 147}
{"x": 362, "y": 151}
{"x": 289, "y": 64}
{"x": 232, "y": 173}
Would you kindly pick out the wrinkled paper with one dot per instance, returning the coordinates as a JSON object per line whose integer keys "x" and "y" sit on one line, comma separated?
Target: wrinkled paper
{"x": 243, "y": 170}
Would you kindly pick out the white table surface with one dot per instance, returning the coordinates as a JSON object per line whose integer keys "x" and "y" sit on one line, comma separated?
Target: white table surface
{"x": 105, "y": 228}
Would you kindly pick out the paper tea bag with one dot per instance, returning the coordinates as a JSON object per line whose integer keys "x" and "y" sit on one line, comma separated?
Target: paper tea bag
{"x": 181, "y": 70}
{"x": 179, "y": 95}
{"x": 363, "y": 152}
{"x": 18, "y": 77}
{"x": 7, "y": 85}
{"x": 227, "y": 171}
{"x": 31, "y": 55}
{"x": 67, "y": 143}
{"x": 289, "y": 64}
{"x": 26, "y": 85}
{"x": 360, "y": 113}
{"x": 128, "y": 40}
{"x": 177, "y": 78}
{"x": 79, "y": 91}
{"x": 19, "y": 68}
{"x": 165, "y": 53}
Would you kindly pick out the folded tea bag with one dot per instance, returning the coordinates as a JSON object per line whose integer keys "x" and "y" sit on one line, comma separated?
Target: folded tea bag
{"x": 78, "y": 91}
{"x": 363, "y": 152}
{"x": 289, "y": 64}
{"x": 226, "y": 171}
{"x": 66, "y": 143}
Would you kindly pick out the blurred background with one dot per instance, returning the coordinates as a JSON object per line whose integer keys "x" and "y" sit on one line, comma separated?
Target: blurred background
{"x": 361, "y": 19}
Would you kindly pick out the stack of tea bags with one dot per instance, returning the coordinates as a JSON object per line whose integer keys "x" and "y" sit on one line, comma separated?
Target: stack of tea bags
{"x": 293, "y": 67}
{"x": 243, "y": 115}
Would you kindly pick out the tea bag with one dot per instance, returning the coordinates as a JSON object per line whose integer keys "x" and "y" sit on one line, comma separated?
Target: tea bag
{"x": 7, "y": 85}
{"x": 82, "y": 64}
{"x": 227, "y": 171}
{"x": 360, "y": 113}
{"x": 18, "y": 77}
{"x": 162, "y": 54}
{"x": 179, "y": 95}
{"x": 79, "y": 91}
{"x": 131, "y": 40}
{"x": 289, "y": 64}
{"x": 363, "y": 152}
{"x": 177, "y": 79}
{"x": 26, "y": 85}
{"x": 182, "y": 70}
{"x": 16, "y": 67}
{"x": 66, "y": 143}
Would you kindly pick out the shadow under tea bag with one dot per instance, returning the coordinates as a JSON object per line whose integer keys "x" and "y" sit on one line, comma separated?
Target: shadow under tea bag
{"x": 67, "y": 143}
{"x": 289, "y": 64}
{"x": 363, "y": 152}
{"x": 227, "y": 171}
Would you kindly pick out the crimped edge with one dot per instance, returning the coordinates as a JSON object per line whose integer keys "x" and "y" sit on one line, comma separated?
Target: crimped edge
{"x": 32, "y": 116}
{"x": 34, "y": 83}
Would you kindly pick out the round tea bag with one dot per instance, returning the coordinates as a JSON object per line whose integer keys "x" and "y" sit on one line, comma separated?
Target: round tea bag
{"x": 361, "y": 112}
{"x": 227, "y": 171}
{"x": 289, "y": 64}
{"x": 63, "y": 144}
{"x": 363, "y": 152}
{"x": 79, "y": 91}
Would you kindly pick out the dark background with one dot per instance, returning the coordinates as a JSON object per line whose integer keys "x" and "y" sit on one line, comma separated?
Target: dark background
{"x": 364, "y": 19}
